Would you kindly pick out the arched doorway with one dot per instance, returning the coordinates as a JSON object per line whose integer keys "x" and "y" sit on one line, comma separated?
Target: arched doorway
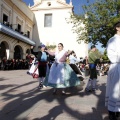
{"x": 18, "y": 52}
{"x": 4, "y": 50}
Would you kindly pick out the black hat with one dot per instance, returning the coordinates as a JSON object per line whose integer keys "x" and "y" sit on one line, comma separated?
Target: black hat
{"x": 93, "y": 46}
{"x": 41, "y": 46}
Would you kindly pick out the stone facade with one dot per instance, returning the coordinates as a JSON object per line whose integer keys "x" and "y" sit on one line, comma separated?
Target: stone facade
{"x": 22, "y": 26}
{"x": 10, "y": 44}
{"x": 17, "y": 21}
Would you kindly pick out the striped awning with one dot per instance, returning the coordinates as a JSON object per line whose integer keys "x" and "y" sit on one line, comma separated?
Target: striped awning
{"x": 15, "y": 34}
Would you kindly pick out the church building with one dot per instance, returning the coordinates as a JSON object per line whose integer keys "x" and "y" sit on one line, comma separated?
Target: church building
{"x": 23, "y": 26}
{"x": 51, "y": 27}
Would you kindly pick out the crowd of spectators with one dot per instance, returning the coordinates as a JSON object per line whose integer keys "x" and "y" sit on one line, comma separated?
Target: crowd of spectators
{"x": 102, "y": 68}
{"x": 19, "y": 64}
{"x": 15, "y": 64}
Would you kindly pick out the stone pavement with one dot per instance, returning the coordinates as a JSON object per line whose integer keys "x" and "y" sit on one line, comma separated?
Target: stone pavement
{"x": 20, "y": 99}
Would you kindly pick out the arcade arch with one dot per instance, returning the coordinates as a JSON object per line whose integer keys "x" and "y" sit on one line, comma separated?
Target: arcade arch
{"x": 18, "y": 52}
{"x": 4, "y": 50}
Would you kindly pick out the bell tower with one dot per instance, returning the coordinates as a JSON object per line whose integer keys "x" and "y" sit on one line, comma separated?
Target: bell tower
{"x": 70, "y": 2}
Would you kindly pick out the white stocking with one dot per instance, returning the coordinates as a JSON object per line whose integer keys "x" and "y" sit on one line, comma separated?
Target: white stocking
{"x": 93, "y": 83}
{"x": 89, "y": 84}
{"x": 40, "y": 79}
{"x": 43, "y": 78}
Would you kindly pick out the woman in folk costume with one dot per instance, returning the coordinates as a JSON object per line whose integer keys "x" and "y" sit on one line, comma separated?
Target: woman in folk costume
{"x": 61, "y": 74}
{"x": 42, "y": 57}
{"x": 112, "y": 99}
{"x": 33, "y": 66}
{"x": 93, "y": 59}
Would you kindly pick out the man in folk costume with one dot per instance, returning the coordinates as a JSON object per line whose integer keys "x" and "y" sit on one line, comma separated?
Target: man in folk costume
{"x": 42, "y": 57}
{"x": 73, "y": 60}
{"x": 93, "y": 59}
{"x": 61, "y": 74}
{"x": 112, "y": 99}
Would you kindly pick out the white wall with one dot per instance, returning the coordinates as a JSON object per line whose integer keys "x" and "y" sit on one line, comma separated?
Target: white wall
{"x": 60, "y": 32}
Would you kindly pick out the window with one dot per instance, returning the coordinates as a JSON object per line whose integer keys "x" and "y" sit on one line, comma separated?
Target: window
{"x": 28, "y": 34}
{"x": 48, "y": 20}
{"x": 5, "y": 18}
{"x": 19, "y": 28}
{"x": 49, "y": 3}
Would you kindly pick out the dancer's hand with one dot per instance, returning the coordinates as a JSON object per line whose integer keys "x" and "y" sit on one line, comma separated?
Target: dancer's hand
{"x": 69, "y": 52}
{"x": 46, "y": 50}
{"x": 32, "y": 47}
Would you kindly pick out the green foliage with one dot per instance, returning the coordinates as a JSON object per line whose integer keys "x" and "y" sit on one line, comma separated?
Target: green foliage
{"x": 96, "y": 25}
{"x": 104, "y": 56}
{"x": 51, "y": 47}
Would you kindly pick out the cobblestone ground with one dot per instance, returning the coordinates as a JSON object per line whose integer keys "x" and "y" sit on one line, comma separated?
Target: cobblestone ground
{"x": 20, "y": 99}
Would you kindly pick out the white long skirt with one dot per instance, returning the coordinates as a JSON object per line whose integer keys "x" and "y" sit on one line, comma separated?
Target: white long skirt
{"x": 61, "y": 75}
{"x": 32, "y": 68}
{"x": 112, "y": 99}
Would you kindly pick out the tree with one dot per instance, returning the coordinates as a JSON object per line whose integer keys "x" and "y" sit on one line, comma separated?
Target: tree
{"x": 96, "y": 25}
{"x": 52, "y": 47}
{"x": 105, "y": 57}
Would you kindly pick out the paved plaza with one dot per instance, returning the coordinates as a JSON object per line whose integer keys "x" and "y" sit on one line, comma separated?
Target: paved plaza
{"x": 20, "y": 99}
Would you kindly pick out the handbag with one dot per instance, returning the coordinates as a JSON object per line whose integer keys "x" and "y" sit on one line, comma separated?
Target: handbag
{"x": 34, "y": 74}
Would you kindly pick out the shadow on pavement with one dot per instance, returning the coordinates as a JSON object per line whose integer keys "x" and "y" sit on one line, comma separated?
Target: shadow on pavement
{"x": 24, "y": 103}
{"x": 2, "y": 79}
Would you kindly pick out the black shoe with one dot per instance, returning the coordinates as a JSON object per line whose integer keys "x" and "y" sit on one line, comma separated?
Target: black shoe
{"x": 63, "y": 93}
{"x": 54, "y": 92}
{"x": 93, "y": 89}
{"x": 112, "y": 116}
{"x": 117, "y": 114}
{"x": 87, "y": 90}
{"x": 40, "y": 86}
{"x": 28, "y": 73}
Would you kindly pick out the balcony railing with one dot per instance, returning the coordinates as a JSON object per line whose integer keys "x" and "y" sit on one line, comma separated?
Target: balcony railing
{"x": 7, "y": 29}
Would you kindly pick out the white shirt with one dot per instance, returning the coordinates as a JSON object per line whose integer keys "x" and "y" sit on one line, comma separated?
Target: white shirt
{"x": 73, "y": 59}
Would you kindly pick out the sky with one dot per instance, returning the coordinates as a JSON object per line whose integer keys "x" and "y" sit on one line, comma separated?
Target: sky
{"x": 76, "y": 3}
{"x": 77, "y": 9}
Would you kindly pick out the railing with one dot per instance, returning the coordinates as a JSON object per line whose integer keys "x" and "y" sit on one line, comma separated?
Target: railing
{"x": 7, "y": 30}
{"x": 11, "y": 26}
